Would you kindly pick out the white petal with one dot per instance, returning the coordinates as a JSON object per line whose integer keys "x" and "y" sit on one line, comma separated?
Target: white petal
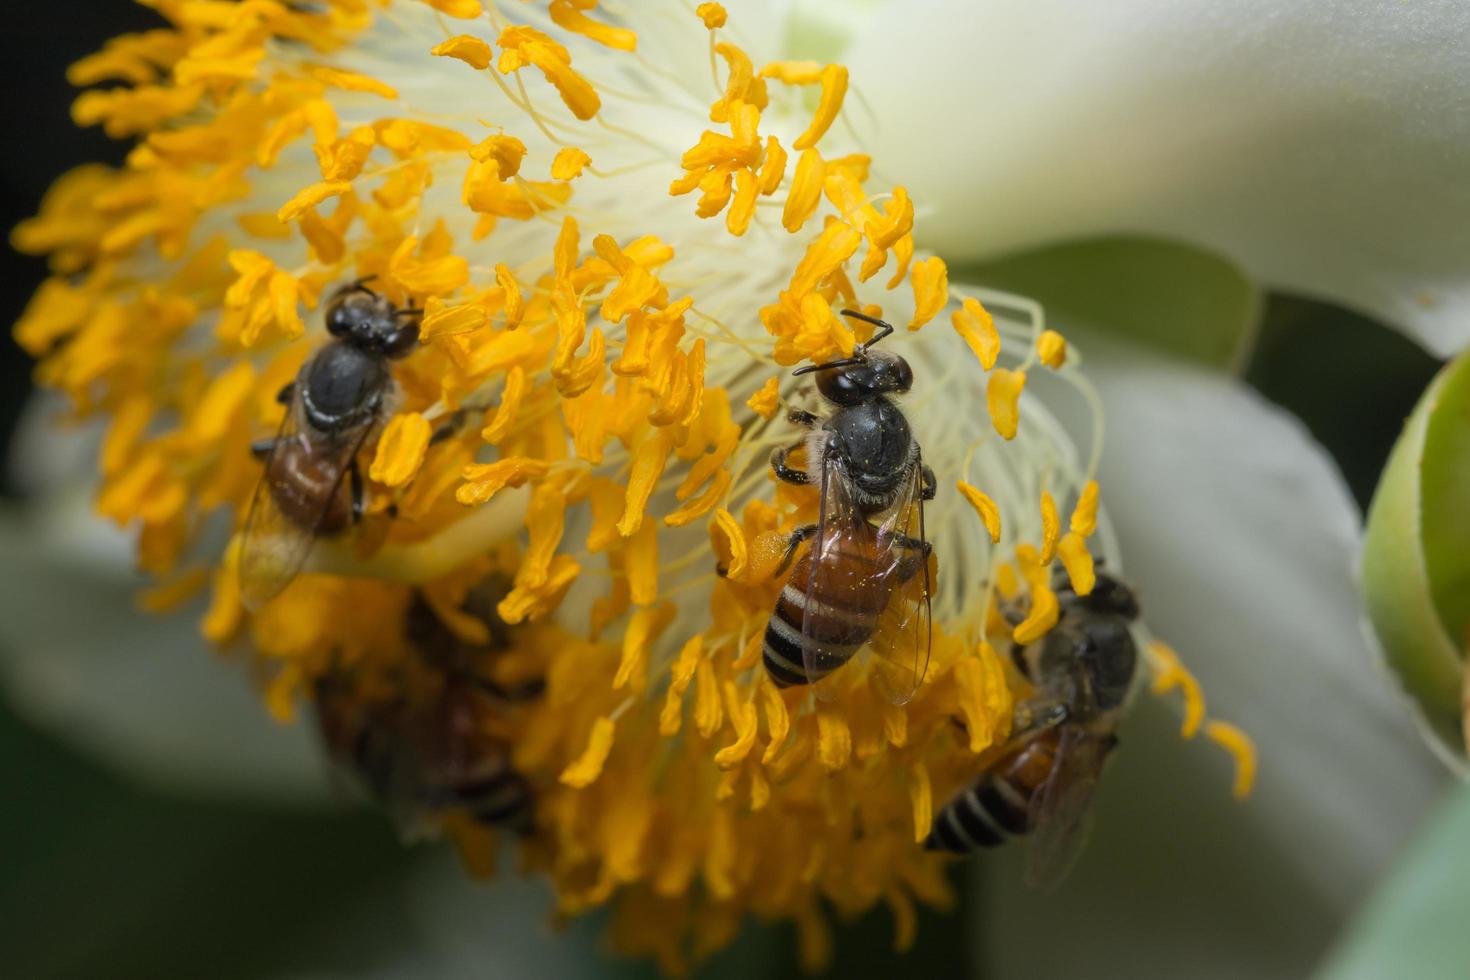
{"x": 1321, "y": 144}
{"x": 1241, "y": 538}
{"x": 142, "y": 693}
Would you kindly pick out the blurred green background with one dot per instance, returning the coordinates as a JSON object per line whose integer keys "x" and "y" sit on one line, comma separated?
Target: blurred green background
{"x": 103, "y": 878}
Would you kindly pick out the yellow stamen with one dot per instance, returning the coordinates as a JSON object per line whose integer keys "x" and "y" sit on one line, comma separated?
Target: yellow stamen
{"x": 712, "y": 14}
{"x": 921, "y": 798}
{"x": 767, "y": 399}
{"x": 588, "y": 767}
{"x": 400, "y": 450}
{"x": 1003, "y": 396}
{"x": 1051, "y": 349}
{"x": 834, "y": 88}
{"x": 930, "y": 279}
{"x": 984, "y": 506}
{"x": 568, "y": 163}
{"x": 976, "y": 326}
{"x": 1051, "y": 525}
{"x": 1170, "y": 673}
{"x": 1040, "y": 618}
{"x": 471, "y": 50}
{"x": 1078, "y": 561}
{"x": 1084, "y": 516}
{"x": 1241, "y": 749}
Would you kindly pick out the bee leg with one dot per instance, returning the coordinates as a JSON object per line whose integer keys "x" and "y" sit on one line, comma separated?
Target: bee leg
{"x": 786, "y": 473}
{"x": 354, "y": 476}
{"x": 1037, "y": 716}
{"x": 261, "y": 449}
{"x": 930, "y": 485}
{"x": 797, "y": 537}
{"x": 798, "y": 417}
{"x": 287, "y": 392}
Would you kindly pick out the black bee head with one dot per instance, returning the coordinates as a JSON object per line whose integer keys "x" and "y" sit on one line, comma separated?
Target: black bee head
{"x": 1111, "y": 595}
{"x": 872, "y": 373}
{"x": 368, "y": 321}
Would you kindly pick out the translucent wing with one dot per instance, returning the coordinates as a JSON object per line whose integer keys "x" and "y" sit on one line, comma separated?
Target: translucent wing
{"x": 304, "y": 472}
{"x": 900, "y": 647}
{"x": 1060, "y": 812}
{"x": 843, "y": 596}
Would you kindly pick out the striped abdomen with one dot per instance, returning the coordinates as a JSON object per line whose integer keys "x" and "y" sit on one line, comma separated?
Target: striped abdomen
{"x": 838, "y": 604}
{"x": 996, "y": 806}
{"x": 489, "y": 790}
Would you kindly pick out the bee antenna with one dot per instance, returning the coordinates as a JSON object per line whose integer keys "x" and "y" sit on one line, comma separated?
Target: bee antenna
{"x": 830, "y": 365}
{"x": 884, "y": 327}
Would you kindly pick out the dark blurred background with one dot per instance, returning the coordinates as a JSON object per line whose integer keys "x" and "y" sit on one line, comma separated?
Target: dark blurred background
{"x": 106, "y": 879}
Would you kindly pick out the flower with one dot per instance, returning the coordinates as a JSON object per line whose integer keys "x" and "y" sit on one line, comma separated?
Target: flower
{"x": 1156, "y": 495}
{"x": 511, "y": 182}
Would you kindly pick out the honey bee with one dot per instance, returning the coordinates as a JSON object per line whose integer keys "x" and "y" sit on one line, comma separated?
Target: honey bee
{"x": 864, "y": 581}
{"x": 1043, "y": 785}
{"x": 333, "y": 407}
{"x": 420, "y": 761}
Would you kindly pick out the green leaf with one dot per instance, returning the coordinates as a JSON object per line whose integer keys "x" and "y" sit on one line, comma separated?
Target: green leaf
{"x": 1168, "y": 296}
{"x": 1416, "y": 552}
{"x": 1414, "y": 926}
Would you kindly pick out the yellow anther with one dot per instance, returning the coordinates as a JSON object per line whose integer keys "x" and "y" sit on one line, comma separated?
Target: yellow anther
{"x": 834, "y": 88}
{"x": 834, "y": 738}
{"x": 485, "y": 480}
{"x": 794, "y": 72}
{"x": 672, "y": 716}
{"x": 1170, "y": 673}
{"x": 649, "y": 460}
{"x": 566, "y": 15}
{"x": 1041, "y": 617}
{"x": 976, "y": 327}
{"x": 1084, "y": 515}
{"x": 767, "y": 399}
{"x": 644, "y": 627}
{"x": 930, "y": 280}
{"x": 310, "y": 196}
{"x": 521, "y": 46}
{"x": 400, "y": 450}
{"x": 1078, "y": 562}
{"x": 921, "y": 800}
{"x": 1051, "y": 527}
{"x": 568, "y": 163}
{"x": 471, "y": 50}
{"x": 588, "y": 766}
{"x": 1051, "y": 348}
{"x": 806, "y": 191}
{"x": 351, "y": 81}
{"x": 1003, "y": 396}
{"x": 712, "y": 14}
{"x": 773, "y": 166}
{"x": 984, "y": 506}
{"x": 1241, "y": 749}
{"x": 506, "y": 151}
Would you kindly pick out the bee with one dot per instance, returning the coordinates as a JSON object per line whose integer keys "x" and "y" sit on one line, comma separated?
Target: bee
{"x": 420, "y": 761}
{"x": 864, "y": 581}
{"x": 419, "y": 764}
{"x": 1043, "y": 785}
{"x": 333, "y": 407}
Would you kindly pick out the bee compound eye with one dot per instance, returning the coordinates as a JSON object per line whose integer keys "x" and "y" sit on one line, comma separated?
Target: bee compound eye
{"x": 904, "y": 374}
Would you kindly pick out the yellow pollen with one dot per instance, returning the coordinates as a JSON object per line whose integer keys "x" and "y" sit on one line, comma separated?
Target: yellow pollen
{"x": 975, "y": 325}
{"x": 767, "y": 399}
{"x": 833, "y": 80}
{"x": 1169, "y": 674}
{"x": 1051, "y": 349}
{"x": 1041, "y": 617}
{"x": 1003, "y": 396}
{"x": 1084, "y": 516}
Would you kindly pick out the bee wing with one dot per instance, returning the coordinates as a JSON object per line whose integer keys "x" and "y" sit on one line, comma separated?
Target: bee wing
{"x": 1061, "y": 810}
{"x": 838, "y": 590}
{"x": 900, "y": 647}
{"x": 275, "y": 546}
